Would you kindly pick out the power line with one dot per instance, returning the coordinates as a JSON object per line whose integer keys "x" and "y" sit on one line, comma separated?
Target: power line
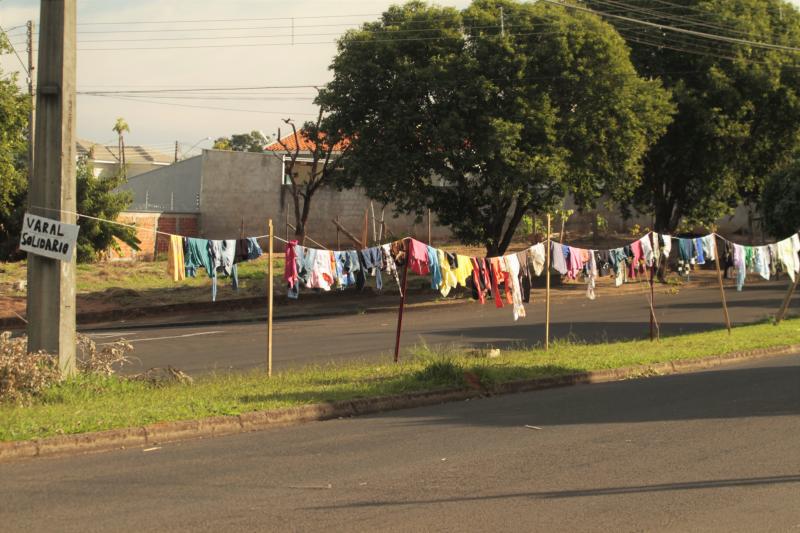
{"x": 24, "y": 67}
{"x": 134, "y": 99}
{"x": 734, "y": 40}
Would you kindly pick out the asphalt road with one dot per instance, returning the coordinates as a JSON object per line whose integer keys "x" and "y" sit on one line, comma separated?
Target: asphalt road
{"x": 197, "y": 350}
{"x": 708, "y": 451}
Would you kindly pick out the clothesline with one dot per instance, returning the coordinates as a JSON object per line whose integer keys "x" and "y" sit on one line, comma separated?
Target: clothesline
{"x": 167, "y": 234}
{"x": 132, "y": 226}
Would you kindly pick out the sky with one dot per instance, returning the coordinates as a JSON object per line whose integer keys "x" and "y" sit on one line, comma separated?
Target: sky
{"x": 262, "y": 55}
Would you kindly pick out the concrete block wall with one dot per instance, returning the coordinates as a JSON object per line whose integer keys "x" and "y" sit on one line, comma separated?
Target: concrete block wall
{"x": 244, "y": 189}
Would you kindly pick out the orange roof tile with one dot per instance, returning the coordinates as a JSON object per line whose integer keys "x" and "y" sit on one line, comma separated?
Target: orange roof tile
{"x": 291, "y": 142}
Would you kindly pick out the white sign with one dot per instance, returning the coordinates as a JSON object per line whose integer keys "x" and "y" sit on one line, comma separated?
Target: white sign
{"x": 47, "y": 237}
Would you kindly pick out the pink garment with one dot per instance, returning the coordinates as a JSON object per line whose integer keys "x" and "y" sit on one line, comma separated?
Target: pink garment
{"x": 418, "y": 258}
{"x": 638, "y": 253}
{"x": 290, "y": 269}
{"x": 575, "y": 264}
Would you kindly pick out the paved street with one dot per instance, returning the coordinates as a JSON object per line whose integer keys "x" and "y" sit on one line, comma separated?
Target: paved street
{"x": 320, "y": 340}
{"x": 709, "y": 451}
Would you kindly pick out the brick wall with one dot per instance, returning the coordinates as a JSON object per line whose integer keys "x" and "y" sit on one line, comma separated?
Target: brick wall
{"x": 152, "y": 244}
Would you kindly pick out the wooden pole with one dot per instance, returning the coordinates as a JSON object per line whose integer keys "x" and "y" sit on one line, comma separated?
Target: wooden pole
{"x": 365, "y": 230}
{"x": 429, "y": 228}
{"x": 336, "y": 223}
{"x": 721, "y": 287}
{"x": 653, "y": 333}
{"x": 269, "y": 303}
{"x": 547, "y": 289}
{"x": 786, "y": 301}
{"x": 402, "y": 306}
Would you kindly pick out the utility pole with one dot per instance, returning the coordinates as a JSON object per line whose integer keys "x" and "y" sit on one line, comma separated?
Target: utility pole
{"x": 51, "y": 192}
{"x": 176, "y": 151}
{"x": 502, "y": 23}
{"x": 29, "y": 42}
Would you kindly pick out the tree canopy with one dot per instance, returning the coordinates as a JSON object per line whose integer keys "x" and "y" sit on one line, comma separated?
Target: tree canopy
{"x": 738, "y": 105}
{"x": 242, "y": 142}
{"x": 780, "y": 201}
{"x": 14, "y": 107}
{"x": 447, "y": 110}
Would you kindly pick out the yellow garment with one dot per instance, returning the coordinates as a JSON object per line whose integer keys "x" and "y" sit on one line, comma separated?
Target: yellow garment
{"x": 175, "y": 263}
{"x": 449, "y": 279}
{"x": 464, "y": 270}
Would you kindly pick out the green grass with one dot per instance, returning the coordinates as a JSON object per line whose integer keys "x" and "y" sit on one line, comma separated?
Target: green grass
{"x": 98, "y": 403}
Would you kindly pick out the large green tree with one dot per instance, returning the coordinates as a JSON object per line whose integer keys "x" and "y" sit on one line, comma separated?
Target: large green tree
{"x": 14, "y": 106}
{"x": 447, "y": 110}
{"x": 738, "y": 104}
{"x": 780, "y": 201}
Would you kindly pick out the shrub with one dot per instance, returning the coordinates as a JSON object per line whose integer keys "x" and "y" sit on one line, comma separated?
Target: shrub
{"x": 24, "y": 375}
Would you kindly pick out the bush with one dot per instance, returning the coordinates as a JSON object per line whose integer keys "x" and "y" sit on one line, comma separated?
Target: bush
{"x": 779, "y": 201}
{"x": 24, "y": 375}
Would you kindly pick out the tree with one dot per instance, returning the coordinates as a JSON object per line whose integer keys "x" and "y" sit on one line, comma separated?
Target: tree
{"x": 14, "y": 106}
{"x": 323, "y": 151}
{"x": 738, "y": 105}
{"x": 447, "y": 110}
{"x": 120, "y": 127}
{"x": 255, "y": 141}
{"x": 97, "y": 199}
{"x": 780, "y": 201}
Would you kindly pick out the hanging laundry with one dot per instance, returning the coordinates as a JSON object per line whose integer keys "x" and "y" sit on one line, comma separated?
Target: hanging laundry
{"x": 708, "y": 246}
{"x": 436, "y": 271}
{"x": 602, "y": 260}
{"x": 665, "y": 243}
{"x": 636, "y": 257}
{"x": 463, "y": 269}
{"x": 512, "y": 264}
{"x": 418, "y": 257}
{"x": 290, "y": 274}
{"x": 575, "y": 263}
{"x": 538, "y": 257}
{"x": 761, "y": 262}
{"x": 176, "y": 266}
{"x": 739, "y": 263}
{"x": 479, "y": 289}
{"x": 389, "y": 265}
{"x": 524, "y": 275}
{"x": 700, "y": 258}
{"x": 686, "y": 250}
{"x": 647, "y": 250}
{"x": 196, "y": 255}
{"x": 321, "y": 275}
{"x": 787, "y": 251}
{"x": 227, "y": 264}
{"x": 591, "y": 278}
{"x": 449, "y": 280}
{"x": 557, "y": 259}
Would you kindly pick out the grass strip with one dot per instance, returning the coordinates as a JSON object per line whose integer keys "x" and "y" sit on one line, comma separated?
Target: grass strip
{"x": 94, "y": 403}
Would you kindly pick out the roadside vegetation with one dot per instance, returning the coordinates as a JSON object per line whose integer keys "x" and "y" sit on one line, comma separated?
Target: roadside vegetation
{"x": 96, "y": 400}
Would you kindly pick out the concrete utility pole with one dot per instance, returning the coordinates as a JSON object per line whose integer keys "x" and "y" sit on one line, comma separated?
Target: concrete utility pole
{"x": 51, "y": 283}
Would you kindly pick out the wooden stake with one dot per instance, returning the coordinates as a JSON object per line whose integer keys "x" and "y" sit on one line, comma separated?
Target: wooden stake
{"x": 336, "y": 223}
{"x": 365, "y": 231}
{"x": 269, "y": 303}
{"x": 547, "y": 290}
{"x": 653, "y": 333}
{"x": 786, "y": 301}
{"x": 402, "y": 305}
{"x": 721, "y": 287}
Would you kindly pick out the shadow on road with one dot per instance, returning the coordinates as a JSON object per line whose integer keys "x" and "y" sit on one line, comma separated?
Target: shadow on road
{"x": 721, "y": 394}
{"x": 581, "y": 493}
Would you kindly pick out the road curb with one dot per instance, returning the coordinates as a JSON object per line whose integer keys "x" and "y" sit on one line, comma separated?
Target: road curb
{"x": 212, "y": 427}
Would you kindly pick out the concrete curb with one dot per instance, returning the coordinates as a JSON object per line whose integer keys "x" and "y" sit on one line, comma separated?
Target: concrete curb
{"x": 182, "y": 430}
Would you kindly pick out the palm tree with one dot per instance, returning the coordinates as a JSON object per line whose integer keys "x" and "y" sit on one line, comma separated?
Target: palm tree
{"x": 119, "y": 127}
